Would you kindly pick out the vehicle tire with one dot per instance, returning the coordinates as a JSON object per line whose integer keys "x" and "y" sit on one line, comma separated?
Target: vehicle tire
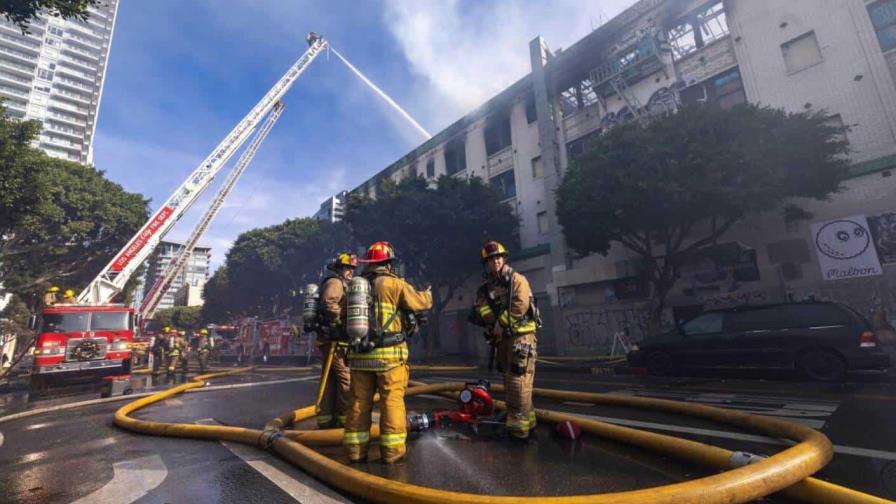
{"x": 659, "y": 364}
{"x": 822, "y": 365}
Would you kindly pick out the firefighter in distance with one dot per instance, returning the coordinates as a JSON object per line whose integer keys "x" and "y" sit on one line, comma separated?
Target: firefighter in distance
{"x": 505, "y": 307}
{"x": 378, "y": 355}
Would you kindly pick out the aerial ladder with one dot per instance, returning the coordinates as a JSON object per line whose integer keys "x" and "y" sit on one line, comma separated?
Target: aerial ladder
{"x": 174, "y": 268}
{"x": 95, "y": 335}
{"x": 112, "y": 278}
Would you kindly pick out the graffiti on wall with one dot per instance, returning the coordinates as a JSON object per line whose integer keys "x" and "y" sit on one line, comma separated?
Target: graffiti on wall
{"x": 595, "y": 329}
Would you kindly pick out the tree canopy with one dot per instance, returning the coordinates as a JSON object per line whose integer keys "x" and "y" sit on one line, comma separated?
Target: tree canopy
{"x": 666, "y": 190}
{"x": 267, "y": 267}
{"x": 436, "y": 229}
{"x": 24, "y": 12}
{"x": 186, "y": 318}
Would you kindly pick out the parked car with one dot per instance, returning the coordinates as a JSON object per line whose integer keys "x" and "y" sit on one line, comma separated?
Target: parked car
{"x": 822, "y": 340}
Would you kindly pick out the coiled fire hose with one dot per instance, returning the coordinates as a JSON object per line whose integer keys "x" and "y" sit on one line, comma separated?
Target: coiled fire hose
{"x": 787, "y": 471}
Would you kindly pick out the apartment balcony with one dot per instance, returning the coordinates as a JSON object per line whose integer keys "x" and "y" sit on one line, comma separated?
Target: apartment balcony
{"x": 500, "y": 161}
{"x": 62, "y": 94}
{"x": 79, "y": 63}
{"x": 85, "y": 32}
{"x": 632, "y": 64}
{"x": 13, "y": 91}
{"x": 73, "y": 38}
{"x": 65, "y": 119}
{"x": 80, "y": 52}
{"x": 15, "y": 106}
{"x": 20, "y": 42}
{"x": 15, "y": 80}
{"x": 68, "y": 107}
{"x": 6, "y": 27}
{"x": 65, "y": 131}
{"x": 60, "y": 143}
{"x": 73, "y": 84}
{"x": 61, "y": 154}
{"x": 18, "y": 56}
{"x": 73, "y": 72}
{"x": 16, "y": 68}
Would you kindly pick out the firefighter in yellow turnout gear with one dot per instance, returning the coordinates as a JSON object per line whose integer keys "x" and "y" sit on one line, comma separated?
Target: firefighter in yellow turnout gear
{"x": 383, "y": 369}
{"x": 177, "y": 353}
{"x": 332, "y": 335}
{"x": 505, "y": 307}
{"x": 203, "y": 349}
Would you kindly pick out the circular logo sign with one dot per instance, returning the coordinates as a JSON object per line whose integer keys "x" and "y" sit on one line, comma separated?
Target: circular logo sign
{"x": 842, "y": 239}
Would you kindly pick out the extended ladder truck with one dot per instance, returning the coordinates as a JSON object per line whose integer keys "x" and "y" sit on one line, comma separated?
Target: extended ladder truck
{"x": 94, "y": 337}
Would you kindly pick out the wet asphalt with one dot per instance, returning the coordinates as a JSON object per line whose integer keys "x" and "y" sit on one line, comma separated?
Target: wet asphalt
{"x": 72, "y": 454}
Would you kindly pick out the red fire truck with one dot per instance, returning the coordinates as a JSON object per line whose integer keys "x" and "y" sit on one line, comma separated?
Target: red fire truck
{"x": 267, "y": 340}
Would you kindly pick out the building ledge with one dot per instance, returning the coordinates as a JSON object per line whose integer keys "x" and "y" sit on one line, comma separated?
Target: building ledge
{"x": 537, "y": 250}
{"x": 872, "y": 166}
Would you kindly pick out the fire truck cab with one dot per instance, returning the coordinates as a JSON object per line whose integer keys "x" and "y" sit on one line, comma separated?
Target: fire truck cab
{"x": 77, "y": 340}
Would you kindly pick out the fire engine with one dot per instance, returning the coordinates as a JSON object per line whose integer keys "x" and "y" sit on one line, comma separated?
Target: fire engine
{"x": 95, "y": 336}
{"x": 270, "y": 340}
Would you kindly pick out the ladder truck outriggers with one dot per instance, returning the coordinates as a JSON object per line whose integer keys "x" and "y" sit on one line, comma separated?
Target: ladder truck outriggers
{"x": 95, "y": 335}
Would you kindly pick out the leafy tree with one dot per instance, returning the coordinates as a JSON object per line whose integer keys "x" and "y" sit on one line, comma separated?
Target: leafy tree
{"x": 437, "y": 230}
{"x": 24, "y": 12}
{"x": 675, "y": 186}
{"x": 187, "y": 318}
{"x": 266, "y": 268}
{"x": 60, "y": 222}
{"x": 14, "y": 320}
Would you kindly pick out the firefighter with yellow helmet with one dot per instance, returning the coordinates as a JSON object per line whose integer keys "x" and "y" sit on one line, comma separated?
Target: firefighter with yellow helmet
{"x": 203, "y": 349}
{"x": 51, "y": 296}
{"x": 69, "y": 297}
{"x": 159, "y": 349}
{"x": 506, "y": 308}
{"x": 331, "y": 336}
{"x": 379, "y": 360}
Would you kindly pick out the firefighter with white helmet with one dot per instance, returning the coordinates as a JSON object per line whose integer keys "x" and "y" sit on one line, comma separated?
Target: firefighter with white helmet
{"x": 379, "y": 360}
{"x": 331, "y": 336}
{"x": 506, "y": 308}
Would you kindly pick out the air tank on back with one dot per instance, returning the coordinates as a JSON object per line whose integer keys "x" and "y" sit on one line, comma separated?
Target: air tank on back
{"x": 310, "y": 305}
{"x": 357, "y": 321}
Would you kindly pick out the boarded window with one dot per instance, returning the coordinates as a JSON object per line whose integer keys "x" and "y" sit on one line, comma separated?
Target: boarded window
{"x": 543, "y": 224}
{"x": 801, "y": 52}
{"x": 537, "y": 168}
{"x": 883, "y": 17}
{"x": 455, "y": 156}
{"x": 431, "y": 168}
{"x": 504, "y": 185}
{"x": 497, "y": 135}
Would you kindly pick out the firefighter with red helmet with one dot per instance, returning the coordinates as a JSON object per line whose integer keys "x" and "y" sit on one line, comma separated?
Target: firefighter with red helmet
{"x": 506, "y": 308}
{"x": 331, "y": 335}
{"x": 381, "y": 365}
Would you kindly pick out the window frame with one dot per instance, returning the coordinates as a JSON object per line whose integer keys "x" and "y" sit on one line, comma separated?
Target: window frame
{"x": 790, "y": 43}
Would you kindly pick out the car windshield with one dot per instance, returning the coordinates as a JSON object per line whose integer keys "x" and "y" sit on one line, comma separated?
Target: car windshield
{"x": 65, "y": 322}
{"x": 703, "y": 324}
{"x": 109, "y": 321}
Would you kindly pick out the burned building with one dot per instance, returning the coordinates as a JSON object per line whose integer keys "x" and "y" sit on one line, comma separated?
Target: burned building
{"x": 657, "y": 56}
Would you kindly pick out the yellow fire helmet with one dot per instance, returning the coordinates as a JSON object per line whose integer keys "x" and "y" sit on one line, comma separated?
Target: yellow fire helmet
{"x": 343, "y": 259}
{"x": 492, "y": 248}
{"x": 53, "y": 289}
{"x": 203, "y": 331}
{"x": 69, "y": 293}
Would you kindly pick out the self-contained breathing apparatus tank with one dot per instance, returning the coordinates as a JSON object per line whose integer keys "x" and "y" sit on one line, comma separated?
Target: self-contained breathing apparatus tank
{"x": 310, "y": 306}
{"x": 357, "y": 320}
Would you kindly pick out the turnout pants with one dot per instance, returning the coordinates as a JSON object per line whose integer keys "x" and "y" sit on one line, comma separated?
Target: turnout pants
{"x": 391, "y": 386}
{"x": 518, "y": 386}
{"x": 203, "y": 360}
{"x": 157, "y": 360}
{"x": 335, "y": 402}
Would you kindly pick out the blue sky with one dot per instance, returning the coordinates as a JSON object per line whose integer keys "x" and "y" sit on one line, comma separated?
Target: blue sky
{"x": 182, "y": 73}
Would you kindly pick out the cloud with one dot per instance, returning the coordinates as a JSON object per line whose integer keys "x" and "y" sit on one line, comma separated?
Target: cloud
{"x": 467, "y": 52}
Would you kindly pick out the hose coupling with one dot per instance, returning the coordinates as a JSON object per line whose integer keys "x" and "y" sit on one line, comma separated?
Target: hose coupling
{"x": 742, "y": 458}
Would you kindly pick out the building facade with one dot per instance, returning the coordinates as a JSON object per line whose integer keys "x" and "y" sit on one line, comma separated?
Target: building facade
{"x": 194, "y": 273}
{"x": 333, "y": 209}
{"x": 836, "y": 56}
{"x": 55, "y": 74}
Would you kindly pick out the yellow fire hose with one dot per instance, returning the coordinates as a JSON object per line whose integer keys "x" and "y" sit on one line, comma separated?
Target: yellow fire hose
{"x": 324, "y": 377}
{"x": 786, "y": 471}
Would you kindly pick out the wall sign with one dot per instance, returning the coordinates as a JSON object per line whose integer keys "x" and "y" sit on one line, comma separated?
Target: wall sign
{"x": 845, "y": 249}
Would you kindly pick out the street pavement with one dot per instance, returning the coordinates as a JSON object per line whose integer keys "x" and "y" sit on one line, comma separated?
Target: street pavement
{"x": 76, "y": 454}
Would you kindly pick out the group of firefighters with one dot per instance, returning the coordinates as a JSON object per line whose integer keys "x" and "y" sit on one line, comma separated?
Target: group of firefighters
{"x": 503, "y": 305}
{"x": 172, "y": 348}
{"x": 51, "y": 297}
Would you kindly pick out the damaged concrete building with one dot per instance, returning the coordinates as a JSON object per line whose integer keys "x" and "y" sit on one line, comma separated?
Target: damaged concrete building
{"x": 833, "y": 55}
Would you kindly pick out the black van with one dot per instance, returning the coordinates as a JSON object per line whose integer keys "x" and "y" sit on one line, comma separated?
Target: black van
{"x": 823, "y": 340}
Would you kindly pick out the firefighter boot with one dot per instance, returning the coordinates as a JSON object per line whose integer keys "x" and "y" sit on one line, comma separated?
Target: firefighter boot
{"x": 518, "y": 358}
{"x": 356, "y": 438}
{"x": 393, "y": 429}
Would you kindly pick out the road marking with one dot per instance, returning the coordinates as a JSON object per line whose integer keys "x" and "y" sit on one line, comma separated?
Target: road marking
{"x": 298, "y": 484}
{"x": 132, "y": 480}
{"x": 92, "y": 402}
{"x": 846, "y": 450}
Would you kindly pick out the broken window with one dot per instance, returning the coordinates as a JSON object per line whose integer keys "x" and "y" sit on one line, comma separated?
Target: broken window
{"x": 504, "y": 185}
{"x": 455, "y": 156}
{"x": 575, "y": 148}
{"x": 712, "y": 25}
{"x": 725, "y": 89}
{"x": 431, "y": 168}
{"x": 883, "y": 17}
{"x": 836, "y": 121}
{"x": 569, "y": 102}
{"x": 589, "y": 96}
{"x": 801, "y": 53}
{"x": 531, "y": 113}
{"x": 537, "y": 168}
{"x": 497, "y": 135}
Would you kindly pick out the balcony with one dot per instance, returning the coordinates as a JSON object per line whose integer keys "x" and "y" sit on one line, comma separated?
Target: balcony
{"x": 19, "y": 55}
{"x": 632, "y": 64}
{"x": 15, "y": 105}
{"x": 65, "y": 131}
{"x": 65, "y": 119}
{"x": 68, "y": 95}
{"x": 60, "y": 143}
{"x": 71, "y": 37}
{"x": 69, "y": 107}
{"x": 74, "y": 72}
{"x": 14, "y": 91}
{"x": 77, "y": 50}
{"x": 6, "y": 27}
{"x": 74, "y": 84}
{"x": 84, "y": 32}
{"x": 21, "y": 70}
{"x": 500, "y": 161}
{"x": 20, "y": 42}
{"x": 60, "y": 153}
{"x": 78, "y": 63}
